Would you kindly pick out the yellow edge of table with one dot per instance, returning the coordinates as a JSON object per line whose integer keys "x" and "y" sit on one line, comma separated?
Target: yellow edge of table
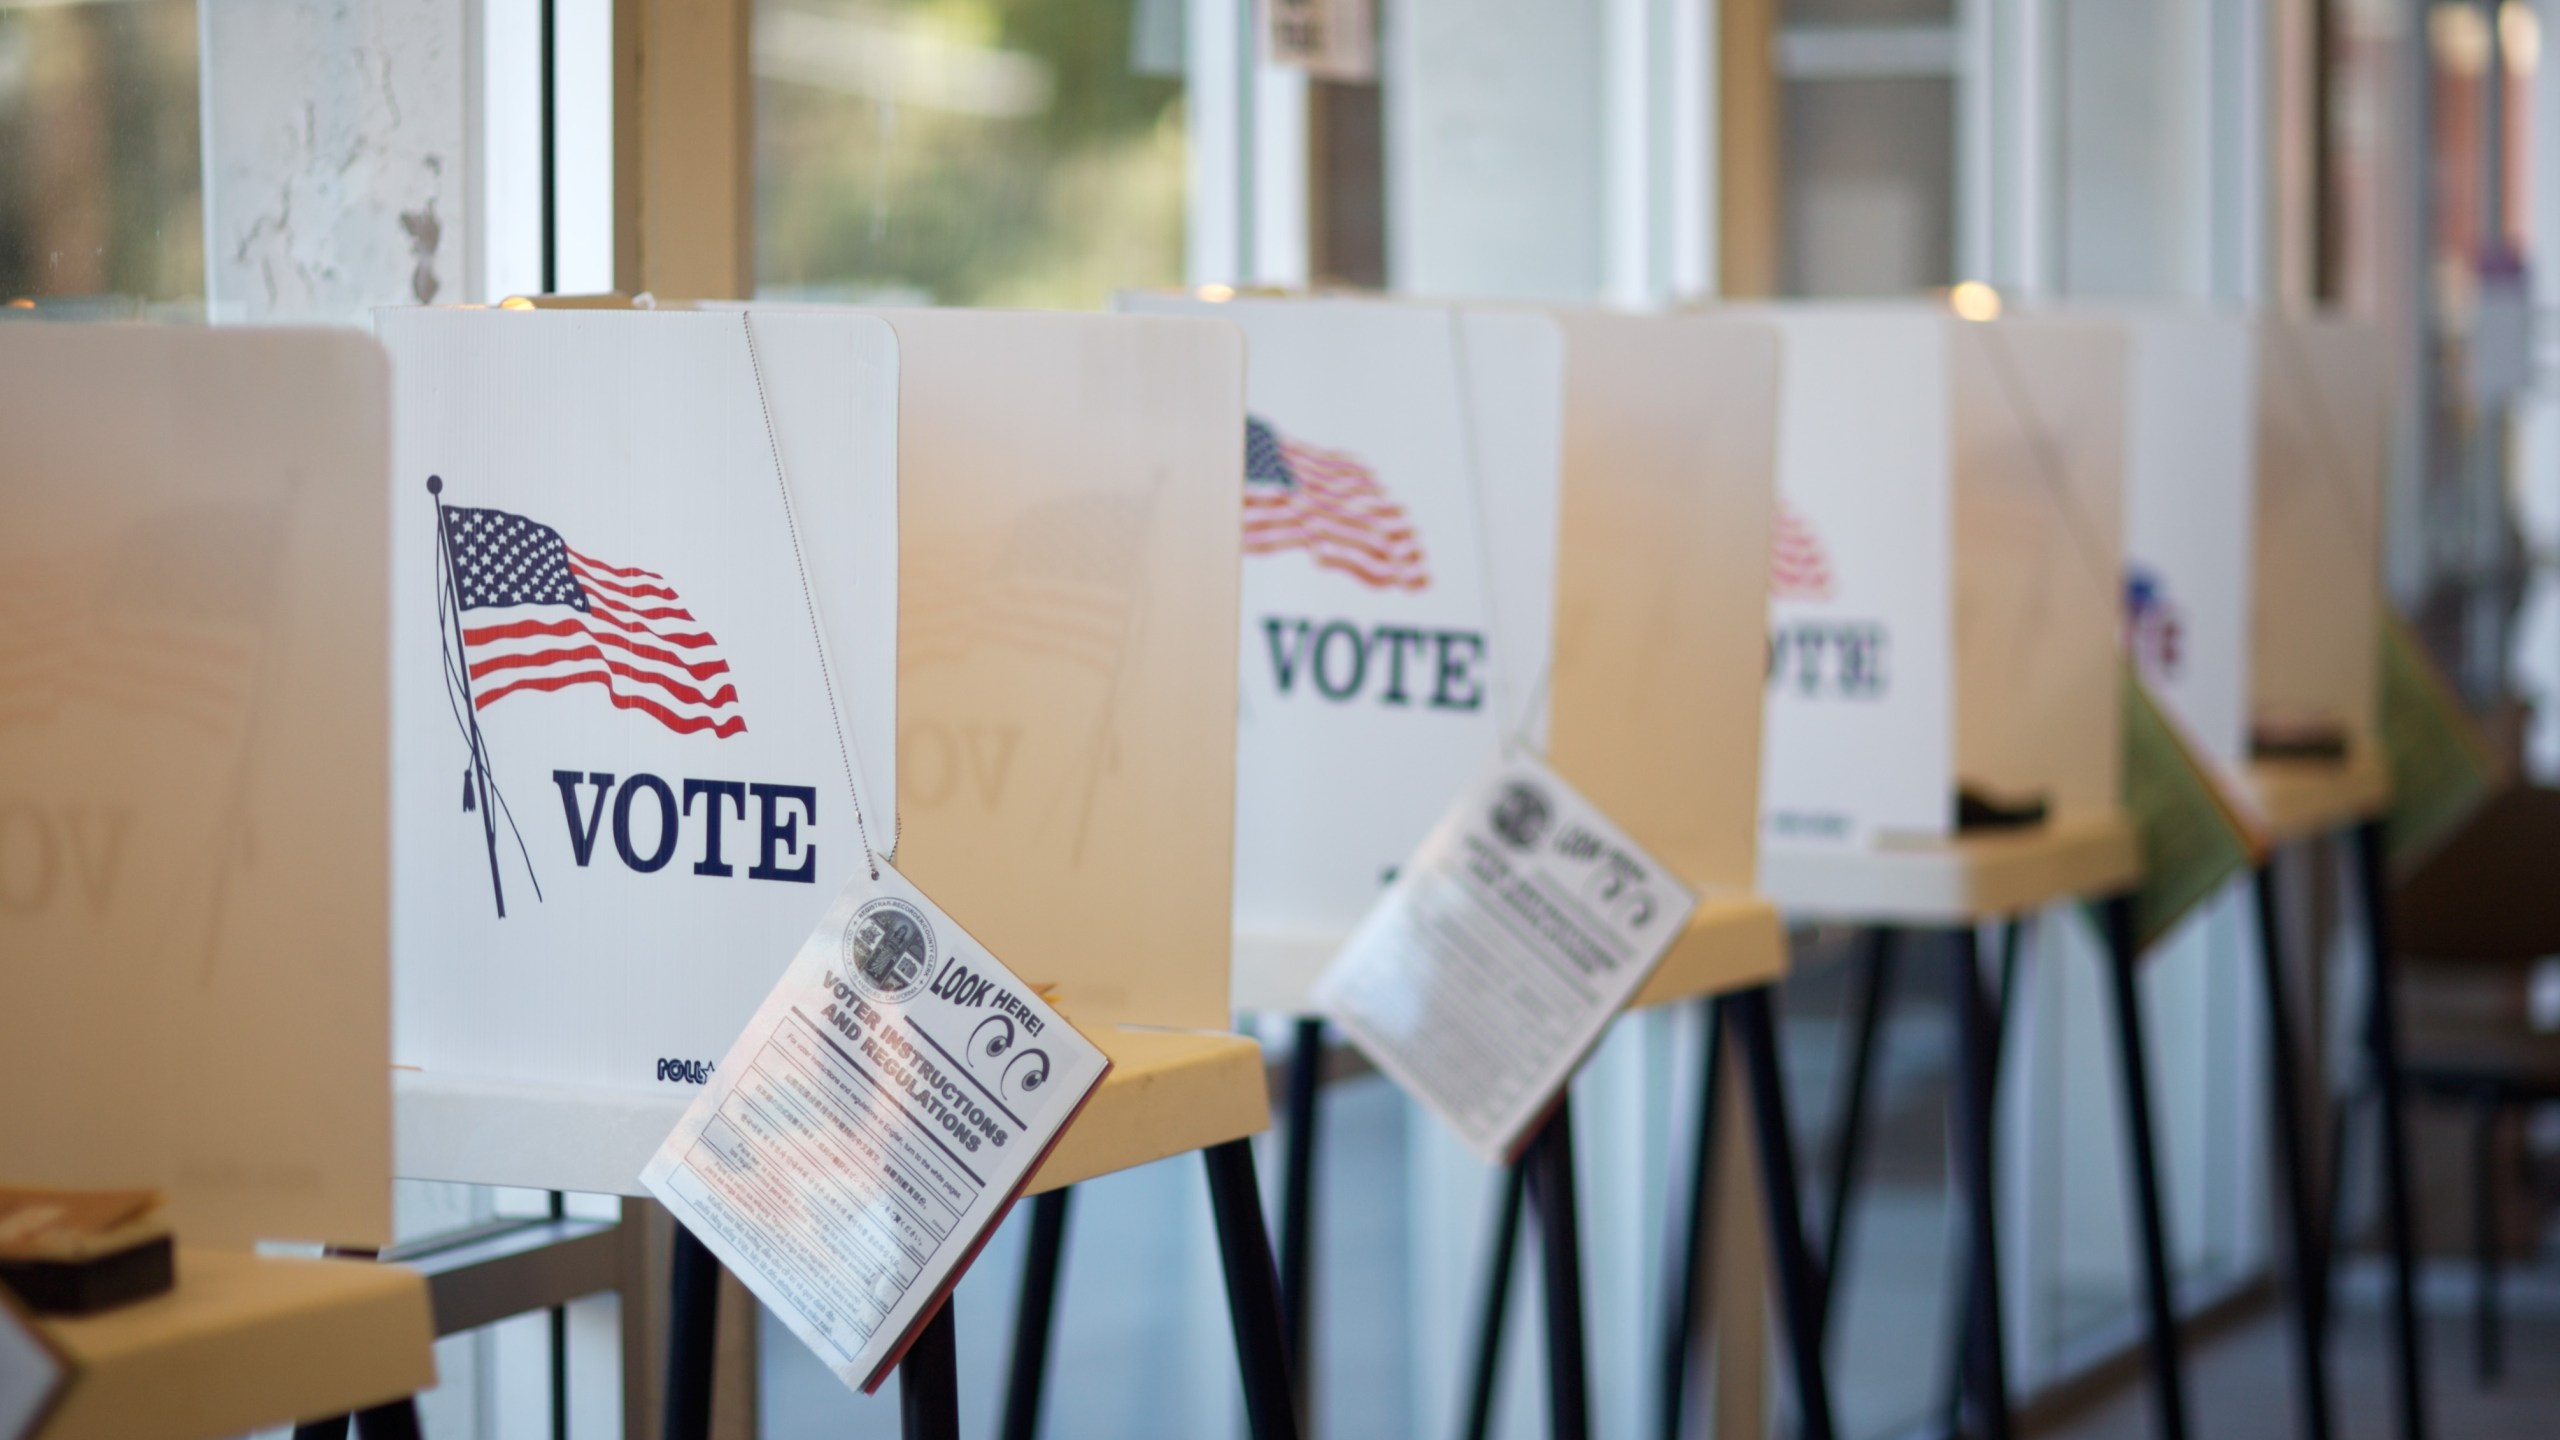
{"x": 2296, "y": 799}
{"x": 1733, "y": 942}
{"x": 244, "y": 1342}
{"x": 1955, "y": 880}
{"x": 1169, "y": 1092}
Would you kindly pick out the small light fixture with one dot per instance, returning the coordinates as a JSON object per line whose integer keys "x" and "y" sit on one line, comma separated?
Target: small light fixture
{"x": 515, "y": 302}
{"x": 1973, "y": 300}
{"x": 1217, "y": 294}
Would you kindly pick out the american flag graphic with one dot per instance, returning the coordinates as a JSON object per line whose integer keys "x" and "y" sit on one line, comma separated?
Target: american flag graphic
{"x": 1798, "y": 570}
{"x": 2151, "y": 626}
{"x": 552, "y": 617}
{"x": 1297, "y": 497}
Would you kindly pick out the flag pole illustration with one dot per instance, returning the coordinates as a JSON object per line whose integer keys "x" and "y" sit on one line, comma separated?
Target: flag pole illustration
{"x": 560, "y": 618}
{"x": 457, "y": 674}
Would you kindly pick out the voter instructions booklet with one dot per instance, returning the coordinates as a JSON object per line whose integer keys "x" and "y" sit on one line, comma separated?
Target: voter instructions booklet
{"x": 1501, "y": 952}
{"x": 860, "y": 1141}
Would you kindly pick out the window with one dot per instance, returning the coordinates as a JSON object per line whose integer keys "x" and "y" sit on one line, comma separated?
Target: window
{"x": 968, "y": 152}
{"x": 100, "y": 209}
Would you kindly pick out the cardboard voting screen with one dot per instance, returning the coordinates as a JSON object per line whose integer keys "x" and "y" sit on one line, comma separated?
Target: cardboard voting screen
{"x": 2322, "y": 444}
{"x": 1670, "y": 456}
{"x": 1400, "y": 497}
{"x": 1944, "y": 571}
{"x": 1859, "y": 734}
{"x": 2189, "y": 517}
{"x": 2039, "y": 520}
{"x": 194, "y": 775}
{"x": 644, "y": 582}
{"x": 1068, "y": 501}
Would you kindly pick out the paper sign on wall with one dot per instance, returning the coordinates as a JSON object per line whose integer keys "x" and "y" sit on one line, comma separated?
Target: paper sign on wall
{"x": 1503, "y": 950}
{"x": 873, "y": 1123}
{"x": 644, "y": 580}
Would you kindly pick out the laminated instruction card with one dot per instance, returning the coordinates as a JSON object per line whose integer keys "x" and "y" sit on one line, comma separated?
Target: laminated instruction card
{"x": 1506, "y": 944}
{"x": 863, "y": 1137}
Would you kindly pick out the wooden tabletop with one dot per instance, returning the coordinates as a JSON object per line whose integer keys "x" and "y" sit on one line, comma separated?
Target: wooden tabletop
{"x": 244, "y": 1342}
{"x": 2297, "y": 799}
{"x": 1958, "y": 880}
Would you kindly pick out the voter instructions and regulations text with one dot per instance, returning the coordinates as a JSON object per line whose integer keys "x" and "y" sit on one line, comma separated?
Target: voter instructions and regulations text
{"x": 889, "y": 1100}
{"x": 1492, "y": 964}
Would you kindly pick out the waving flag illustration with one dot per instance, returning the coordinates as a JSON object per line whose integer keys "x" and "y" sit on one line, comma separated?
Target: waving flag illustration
{"x": 519, "y": 610}
{"x": 2151, "y": 622}
{"x": 1297, "y": 497}
{"x": 563, "y": 618}
{"x": 1798, "y": 570}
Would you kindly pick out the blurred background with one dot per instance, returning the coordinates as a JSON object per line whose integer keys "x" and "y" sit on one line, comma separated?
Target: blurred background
{"x": 295, "y": 160}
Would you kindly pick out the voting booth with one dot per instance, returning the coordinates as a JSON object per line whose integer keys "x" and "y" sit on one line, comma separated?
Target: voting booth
{"x": 643, "y": 592}
{"x": 2256, "y": 449}
{"x": 1069, "y": 501}
{"x": 194, "y": 856}
{"x": 1943, "y": 612}
{"x": 1471, "y": 528}
{"x": 2315, "y": 766}
{"x": 2324, "y": 412}
{"x": 2190, "y": 518}
{"x": 1397, "y": 612}
{"x": 1467, "y": 526}
{"x": 984, "y": 566}
{"x": 1943, "y": 734}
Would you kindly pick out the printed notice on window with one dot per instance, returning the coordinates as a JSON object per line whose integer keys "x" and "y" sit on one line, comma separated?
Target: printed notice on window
{"x": 1492, "y": 965}
{"x": 883, "y": 1109}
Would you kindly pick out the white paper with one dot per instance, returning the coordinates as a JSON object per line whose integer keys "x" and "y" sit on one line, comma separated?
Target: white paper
{"x": 887, "y": 1103}
{"x": 31, "y": 1374}
{"x": 2189, "y": 521}
{"x": 1369, "y": 693}
{"x": 1502, "y": 951}
{"x": 656, "y": 842}
{"x": 1859, "y": 736}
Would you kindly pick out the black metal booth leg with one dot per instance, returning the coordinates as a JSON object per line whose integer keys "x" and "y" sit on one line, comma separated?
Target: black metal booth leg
{"x": 1549, "y": 1163}
{"x": 2309, "y": 1254}
{"x": 929, "y": 1381}
{"x": 1027, "y": 1385}
{"x": 395, "y": 1421}
{"x": 333, "y": 1427}
{"x": 1485, "y": 1374}
{"x": 1849, "y": 1128}
{"x": 1253, "y": 1292}
{"x": 1977, "y": 1040}
{"x": 2382, "y": 1039}
{"x": 1800, "y": 1300}
{"x": 693, "y": 1327}
{"x": 1960, "y": 1336}
{"x": 2168, "y": 1375}
{"x": 2488, "y": 1341}
{"x": 1297, "y": 1197}
{"x": 1693, "y": 1211}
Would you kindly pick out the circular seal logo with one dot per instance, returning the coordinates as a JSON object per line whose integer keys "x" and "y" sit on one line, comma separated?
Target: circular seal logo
{"x": 888, "y": 951}
{"x": 1520, "y": 816}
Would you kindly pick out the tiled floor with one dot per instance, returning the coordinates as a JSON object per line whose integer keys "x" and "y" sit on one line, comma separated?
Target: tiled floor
{"x": 2242, "y": 1385}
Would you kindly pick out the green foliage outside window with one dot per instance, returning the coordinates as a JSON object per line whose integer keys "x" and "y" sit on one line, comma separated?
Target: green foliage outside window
{"x": 968, "y": 152}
